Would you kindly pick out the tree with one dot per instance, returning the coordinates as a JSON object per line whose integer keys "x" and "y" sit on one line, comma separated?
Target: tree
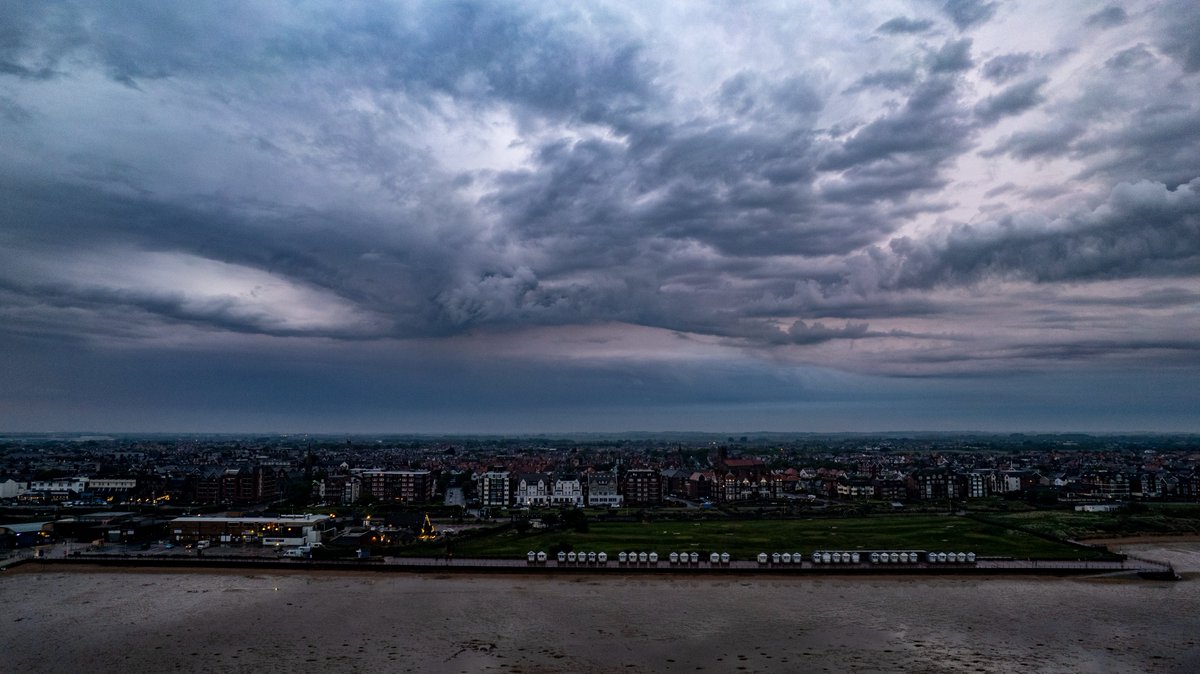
{"x": 575, "y": 519}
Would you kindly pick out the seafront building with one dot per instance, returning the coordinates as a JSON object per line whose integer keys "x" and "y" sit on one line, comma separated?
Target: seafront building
{"x": 568, "y": 491}
{"x": 533, "y": 489}
{"x": 284, "y": 530}
{"x": 603, "y": 491}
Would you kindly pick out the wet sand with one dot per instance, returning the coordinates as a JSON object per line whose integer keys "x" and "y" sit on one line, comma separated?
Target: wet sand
{"x": 106, "y": 621}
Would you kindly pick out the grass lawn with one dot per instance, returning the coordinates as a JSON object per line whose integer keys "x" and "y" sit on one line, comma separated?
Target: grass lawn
{"x": 744, "y": 539}
{"x": 1157, "y": 519}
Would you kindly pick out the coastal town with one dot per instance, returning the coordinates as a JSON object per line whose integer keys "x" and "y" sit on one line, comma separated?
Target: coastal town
{"x": 306, "y": 496}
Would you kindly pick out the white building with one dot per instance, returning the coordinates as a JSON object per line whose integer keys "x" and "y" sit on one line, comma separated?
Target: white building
{"x": 568, "y": 491}
{"x": 533, "y": 489}
{"x": 79, "y": 485}
{"x": 494, "y": 488}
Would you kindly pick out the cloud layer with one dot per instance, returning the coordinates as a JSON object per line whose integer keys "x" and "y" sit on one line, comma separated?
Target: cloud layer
{"x": 915, "y": 189}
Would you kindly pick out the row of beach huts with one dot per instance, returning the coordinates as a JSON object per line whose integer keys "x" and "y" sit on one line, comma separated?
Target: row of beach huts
{"x": 716, "y": 559}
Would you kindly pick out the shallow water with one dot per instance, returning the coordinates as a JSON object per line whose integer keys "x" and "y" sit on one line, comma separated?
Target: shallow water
{"x": 235, "y": 622}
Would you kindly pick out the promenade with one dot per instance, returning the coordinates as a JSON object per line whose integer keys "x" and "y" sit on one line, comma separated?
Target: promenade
{"x": 227, "y": 558}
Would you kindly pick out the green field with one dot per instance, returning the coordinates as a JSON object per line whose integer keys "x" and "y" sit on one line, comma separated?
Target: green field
{"x": 1158, "y": 519}
{"x": 745, "y": 539}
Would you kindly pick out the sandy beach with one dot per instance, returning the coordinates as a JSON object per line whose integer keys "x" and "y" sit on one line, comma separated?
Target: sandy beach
{"x": 107, "y": 621}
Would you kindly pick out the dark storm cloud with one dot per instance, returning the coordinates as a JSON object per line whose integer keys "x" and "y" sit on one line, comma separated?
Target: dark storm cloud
{"x": 1038, "y": 143}
{"x": 1011, "y": 101}
{"x": 952, "y": 57}
{"x": 1143, "y": 229}
{"x": 1181, "y": 33}
{"x": 903, "y": 24}
{"x": 903, "y": 153}
{"x": 1158, "y": 142}
{"x": 585, "y": 206}
{"x": 1165, "y": 298}
{"x": 319, "y": 252}
{"x": 511, "y": 53}
{"x": 1113, "y": 15}
{"x": 968, "y": 13}
{"x": 1007, "y": 66}
{"x": 339, "y": 180}
{"x": 1092, "y": 349}
{"x": 803, "y": 333}
{"x": 1134, "y": 57}
{"x": 884, "y": 79}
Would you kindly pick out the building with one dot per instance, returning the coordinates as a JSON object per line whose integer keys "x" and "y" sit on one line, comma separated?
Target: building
{"x": 1187, "y": 487}
{"x": 855, "y": 488}
{"x": 567, "y": 492}
{"x": 603, "y": 491}
{"x": 533, "y": 489}
{"x": 403, "y": 486}
{"x": 642, "y": 487}
{"x": 978, "y": 484}
{"x": 701, "y": 485}
{"x": 675, "y": 481}
{"x": 238, "y": 485}
{"x": 339, "y": 489}
{"x": 25, "y": 534}
{"x": 283, "y": 530}
{"x": 110, "y": 526}
{"x": 494, "y": 488}
{"x": 10, "y": 488}
{"x": 928, "y": 484}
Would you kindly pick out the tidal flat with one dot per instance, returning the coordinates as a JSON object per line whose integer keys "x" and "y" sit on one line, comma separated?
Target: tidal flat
{"x": 100, "y": 620}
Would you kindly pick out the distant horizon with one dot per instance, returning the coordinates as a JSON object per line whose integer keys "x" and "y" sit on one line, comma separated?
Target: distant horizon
{"x": 583, "y": 434}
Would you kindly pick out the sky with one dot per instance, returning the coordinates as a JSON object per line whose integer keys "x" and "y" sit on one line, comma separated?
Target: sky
{"x": 471, "y": 217}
